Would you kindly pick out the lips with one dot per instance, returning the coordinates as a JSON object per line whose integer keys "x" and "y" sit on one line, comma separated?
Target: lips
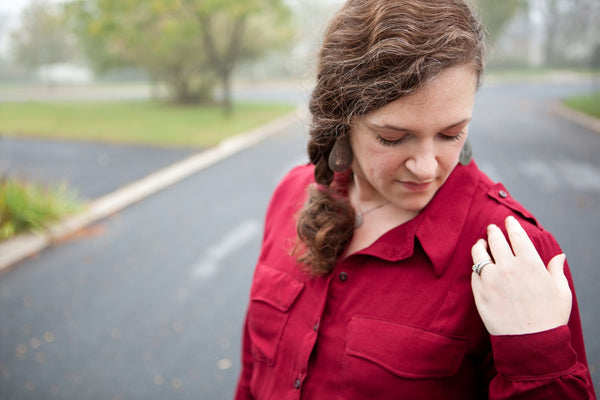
{"x": 416, "y": 186}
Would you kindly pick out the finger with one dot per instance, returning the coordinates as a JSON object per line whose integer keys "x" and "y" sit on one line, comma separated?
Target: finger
{"x": 556, "y": 268}
{"x": 479, "y": 251}
{"x": 477, "y": 288}
{"x": 481, "y": 257}
{"x": 499, "y": 247}
{"x": 519, "y": 240}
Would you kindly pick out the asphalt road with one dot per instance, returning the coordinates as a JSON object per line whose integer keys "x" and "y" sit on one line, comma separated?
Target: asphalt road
{"x": 149, "y": 303}
{"x": 91, "y": 169}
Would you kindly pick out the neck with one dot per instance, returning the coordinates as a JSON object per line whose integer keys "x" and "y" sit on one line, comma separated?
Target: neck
{"x": 362, "y": 212}
{"x": 363, "y": 194}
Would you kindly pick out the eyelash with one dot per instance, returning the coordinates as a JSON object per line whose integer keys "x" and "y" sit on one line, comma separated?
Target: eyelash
{"x": 397, "y": 142}
{"x": 386, "y": 142}
{"x": 454, "y": 138}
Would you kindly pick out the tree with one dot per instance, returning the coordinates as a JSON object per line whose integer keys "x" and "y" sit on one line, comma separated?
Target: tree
{"x": 149, "y": 35}
{"x": 186, "y": 44}
{"x": 236, "y": 30}
{"x": 570, "y": 27}
{"x": 496, "y": 14}
{"x": 42, "y": 38}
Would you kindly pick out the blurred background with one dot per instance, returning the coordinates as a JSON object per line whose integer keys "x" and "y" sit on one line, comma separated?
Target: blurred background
{"x": 149, "y": 302}
{"x": 166, "y": 43}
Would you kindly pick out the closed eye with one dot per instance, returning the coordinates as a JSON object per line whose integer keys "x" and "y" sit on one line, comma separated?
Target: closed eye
{"x": 394, "y": 142}
{"x": 453, "y": 138}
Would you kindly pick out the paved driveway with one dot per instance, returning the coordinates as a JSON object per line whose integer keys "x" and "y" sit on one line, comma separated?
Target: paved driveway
{"x": 93, "y": 169}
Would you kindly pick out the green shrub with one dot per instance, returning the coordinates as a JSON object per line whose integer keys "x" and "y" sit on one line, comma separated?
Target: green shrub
{"x": 26, "y": 207}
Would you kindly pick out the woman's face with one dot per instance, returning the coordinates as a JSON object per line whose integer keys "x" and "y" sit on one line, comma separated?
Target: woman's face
{"x": 405, "y": 151}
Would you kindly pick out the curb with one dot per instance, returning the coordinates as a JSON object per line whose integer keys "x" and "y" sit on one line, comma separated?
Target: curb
{"x": 577, "y": 117}
{"x": 26, "y": 245}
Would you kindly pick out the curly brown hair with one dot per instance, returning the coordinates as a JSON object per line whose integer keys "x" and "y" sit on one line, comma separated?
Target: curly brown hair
{"x": 374, "y": 52}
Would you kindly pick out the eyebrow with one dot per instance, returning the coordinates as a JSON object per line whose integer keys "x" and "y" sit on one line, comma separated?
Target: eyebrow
{"x": 401, "y": 129}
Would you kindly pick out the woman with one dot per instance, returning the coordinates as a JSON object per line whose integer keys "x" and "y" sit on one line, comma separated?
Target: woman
{"x": 373, "y": 281}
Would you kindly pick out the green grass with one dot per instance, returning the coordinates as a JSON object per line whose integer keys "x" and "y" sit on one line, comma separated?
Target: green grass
{"x": 28, "y": 207}
{"x": 589, "y": 104}
{"x": 141, "y": 122}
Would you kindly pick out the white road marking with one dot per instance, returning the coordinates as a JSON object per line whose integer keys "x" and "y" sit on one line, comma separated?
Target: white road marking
{"x": 243, "y": 233}
{"x": 580, "y": 175}
{"x": 540, "y": 172}
{"x": 552, "y": 176}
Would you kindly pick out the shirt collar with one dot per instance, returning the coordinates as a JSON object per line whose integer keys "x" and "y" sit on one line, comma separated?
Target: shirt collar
{"x": 438, "y": 227}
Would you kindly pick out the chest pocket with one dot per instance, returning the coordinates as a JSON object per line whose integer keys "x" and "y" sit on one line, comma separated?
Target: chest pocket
{"x": 271, "y": 297}
{"x": 403, "y": 350}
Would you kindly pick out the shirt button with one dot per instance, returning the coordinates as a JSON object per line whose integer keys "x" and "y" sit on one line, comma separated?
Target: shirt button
{"x": 297, "y": 384}
{"x": 316, "y": 327}
{"x": 503, "y": 194}
{"x": 343, "y": 276}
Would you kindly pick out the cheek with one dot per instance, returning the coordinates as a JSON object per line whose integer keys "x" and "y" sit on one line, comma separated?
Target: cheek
{"x": 448, "y": 156}
{"x": 387, "y": 163}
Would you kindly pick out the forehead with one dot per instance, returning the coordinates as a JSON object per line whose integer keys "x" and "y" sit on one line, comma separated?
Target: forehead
{"x": 448, "y": 97}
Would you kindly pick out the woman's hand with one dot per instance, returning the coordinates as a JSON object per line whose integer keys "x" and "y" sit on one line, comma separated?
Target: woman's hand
{"x": 516, "y": 294}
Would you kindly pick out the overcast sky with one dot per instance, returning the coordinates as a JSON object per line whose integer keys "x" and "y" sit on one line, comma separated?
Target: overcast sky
{"x": 13, "y": 7}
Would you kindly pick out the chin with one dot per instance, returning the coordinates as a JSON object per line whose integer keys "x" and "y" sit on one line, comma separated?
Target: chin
{"x": 418, "y": 204}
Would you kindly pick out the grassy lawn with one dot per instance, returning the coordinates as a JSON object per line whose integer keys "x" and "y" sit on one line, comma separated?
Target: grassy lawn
{"x": 535, "y": 74}
{"x": 589, "y": 104}
{"x": 27, "y": 206}
{"x": 142, "y": 122}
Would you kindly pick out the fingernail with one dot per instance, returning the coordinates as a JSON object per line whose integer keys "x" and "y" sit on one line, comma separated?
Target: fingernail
{"x": 492, "y": 227}
{"x": 511, "y": 219}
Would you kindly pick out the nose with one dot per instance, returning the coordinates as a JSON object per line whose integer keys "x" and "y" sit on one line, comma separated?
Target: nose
{"x": 423, "y": 163}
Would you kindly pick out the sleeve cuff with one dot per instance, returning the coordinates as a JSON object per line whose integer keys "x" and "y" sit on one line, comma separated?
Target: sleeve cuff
{"x": 538, "y": 355}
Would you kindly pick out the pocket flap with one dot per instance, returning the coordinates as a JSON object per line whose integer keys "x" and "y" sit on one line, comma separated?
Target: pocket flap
{"x": 273, "y": 293}
{"x": 274, "y": 287}
{"x": 405, "y": 350}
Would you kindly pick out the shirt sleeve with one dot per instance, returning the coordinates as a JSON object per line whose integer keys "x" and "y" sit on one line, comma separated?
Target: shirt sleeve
{"x": 541, "y": 365}
{"x": 243, "y": 386}
{"x": 545, "y": 365}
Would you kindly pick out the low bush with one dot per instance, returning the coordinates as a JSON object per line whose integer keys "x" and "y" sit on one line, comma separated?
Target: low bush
{"x": 26, "y": 206}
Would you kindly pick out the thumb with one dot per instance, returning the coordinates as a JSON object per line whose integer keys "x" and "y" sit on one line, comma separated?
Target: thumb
{"x": 556, "y": 268}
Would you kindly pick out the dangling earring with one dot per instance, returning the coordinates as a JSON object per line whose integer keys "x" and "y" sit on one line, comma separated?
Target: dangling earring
{"x": 340, "y": 157}
{"x": 466, "y": 154}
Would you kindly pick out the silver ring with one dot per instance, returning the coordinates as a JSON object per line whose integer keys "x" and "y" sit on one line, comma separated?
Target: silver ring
{"x": 479, "y": 266}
